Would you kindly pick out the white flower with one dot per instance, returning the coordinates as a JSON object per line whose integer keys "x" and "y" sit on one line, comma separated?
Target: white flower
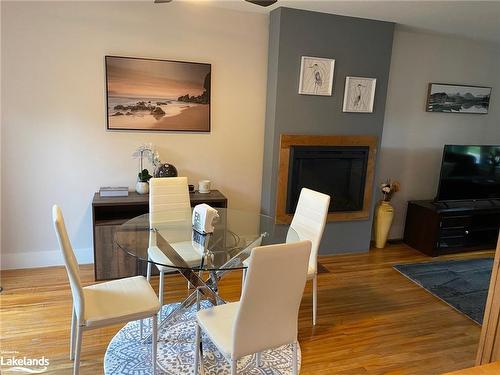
{"x": 386, "y": 189}
{"x": 147, "y": 150}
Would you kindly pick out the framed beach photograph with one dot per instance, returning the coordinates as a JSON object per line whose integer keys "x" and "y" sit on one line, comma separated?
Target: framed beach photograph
{"x": 157, "y": 95}
{"x": 316, "y": 76}
{"x": 359, "y": 94}
{"x": 450, "y": 98}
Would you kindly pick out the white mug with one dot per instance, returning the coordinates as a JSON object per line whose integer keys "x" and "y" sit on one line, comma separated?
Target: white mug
{"x": 204, "y": 186}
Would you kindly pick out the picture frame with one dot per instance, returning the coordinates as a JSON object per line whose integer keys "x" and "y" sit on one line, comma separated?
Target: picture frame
{"x": 359, "y": 94}
{"x": 145, "y": 94}
{"x": 458, "y": 98}
{"x": 316, "y": 76}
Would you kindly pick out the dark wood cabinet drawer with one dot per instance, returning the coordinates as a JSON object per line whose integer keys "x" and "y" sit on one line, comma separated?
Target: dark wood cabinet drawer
{"x": 453, "y": 232}
{"x": 455, "y": 221}
{"x": 452, "y": 242}
{"x": 110, "y": 261}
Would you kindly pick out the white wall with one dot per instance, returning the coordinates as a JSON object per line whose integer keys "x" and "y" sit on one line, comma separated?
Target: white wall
{"x": 55, "y": 145}
{"x": 413, "y": 139}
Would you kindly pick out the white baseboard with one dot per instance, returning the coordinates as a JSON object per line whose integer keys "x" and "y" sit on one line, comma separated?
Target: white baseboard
{"x": 11, "y": 261}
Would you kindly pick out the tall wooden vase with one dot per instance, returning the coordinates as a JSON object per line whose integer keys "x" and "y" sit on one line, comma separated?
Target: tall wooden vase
{"x": 383, "y": 222}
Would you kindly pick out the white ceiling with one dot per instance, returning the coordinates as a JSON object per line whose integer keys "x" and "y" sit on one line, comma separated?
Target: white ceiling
{"x": 471, "y": 19}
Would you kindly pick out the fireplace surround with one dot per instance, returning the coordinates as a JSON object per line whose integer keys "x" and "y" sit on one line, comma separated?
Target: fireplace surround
{"x": 340, "y": 166}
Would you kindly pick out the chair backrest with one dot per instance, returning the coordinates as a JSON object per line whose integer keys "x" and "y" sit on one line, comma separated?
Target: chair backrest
{"x": 309, "y": 220}
{"x": 70, "y": 261}
{"x": 168, "y": 199}
{"x": 270, "y": 301}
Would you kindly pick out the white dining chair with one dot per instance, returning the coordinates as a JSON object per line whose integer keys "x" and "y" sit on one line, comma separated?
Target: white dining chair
{"x": 103, "y": 304}
{"x": 266, "y": 317}
{"x": 308, "y": 223}
{"x": 169, "y": 203}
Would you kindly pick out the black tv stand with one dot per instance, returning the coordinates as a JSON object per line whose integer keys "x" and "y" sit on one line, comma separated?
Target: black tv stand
{"x": 474, "y": 204}
{"x": 443, "y": 227}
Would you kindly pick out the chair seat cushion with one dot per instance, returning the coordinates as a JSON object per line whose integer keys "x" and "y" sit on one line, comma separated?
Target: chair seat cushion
{"x": 119, "y": 301}
{"x": 218, "y": 322}
{"x": 185, "y": 249}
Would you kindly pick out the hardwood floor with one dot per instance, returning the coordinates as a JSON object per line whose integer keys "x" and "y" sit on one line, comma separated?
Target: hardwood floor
{"x": 489, "y": 369}
{"x": 371, "y": 319}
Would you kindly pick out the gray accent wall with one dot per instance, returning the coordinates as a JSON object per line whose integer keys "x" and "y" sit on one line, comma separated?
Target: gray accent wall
{"x": 360, "y": 47}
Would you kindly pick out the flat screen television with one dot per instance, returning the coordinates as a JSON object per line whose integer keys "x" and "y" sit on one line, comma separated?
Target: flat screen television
{"x": 469, "y": 173}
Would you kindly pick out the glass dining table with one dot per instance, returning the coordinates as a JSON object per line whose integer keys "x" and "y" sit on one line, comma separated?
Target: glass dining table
{"x": 202, "y": 258}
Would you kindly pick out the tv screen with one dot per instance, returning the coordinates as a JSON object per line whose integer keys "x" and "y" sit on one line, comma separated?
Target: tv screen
{"x": 470, "y": 172}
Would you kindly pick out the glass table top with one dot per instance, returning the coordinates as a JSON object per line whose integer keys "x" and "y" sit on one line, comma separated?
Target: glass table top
{"x": 171, "y": 241}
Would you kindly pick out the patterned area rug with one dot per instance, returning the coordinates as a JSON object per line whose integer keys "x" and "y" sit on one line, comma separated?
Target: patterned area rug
{"x": 127, "y": 355}
{"x": 463, "y": 284}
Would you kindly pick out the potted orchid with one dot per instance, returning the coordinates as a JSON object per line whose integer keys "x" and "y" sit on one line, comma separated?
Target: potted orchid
{"x": 145, "y": 151}
{"x": 385, "y": 212}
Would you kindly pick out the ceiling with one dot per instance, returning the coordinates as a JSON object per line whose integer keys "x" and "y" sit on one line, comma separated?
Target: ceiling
{"x": 478, "y": 20}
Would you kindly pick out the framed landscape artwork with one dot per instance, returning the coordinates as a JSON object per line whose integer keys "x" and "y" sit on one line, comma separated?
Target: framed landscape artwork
{"x": 458, "y": 98}
{"x": 157, "y": 95}
{"x": 316, "y": 76}
{"x": 359, "y": 94}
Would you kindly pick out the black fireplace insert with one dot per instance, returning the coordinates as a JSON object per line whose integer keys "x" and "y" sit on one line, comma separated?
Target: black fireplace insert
{"x": 339, "y": 171}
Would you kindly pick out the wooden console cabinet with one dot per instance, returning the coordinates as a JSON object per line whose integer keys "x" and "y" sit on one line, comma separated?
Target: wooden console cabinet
{"x": 110, "y": 262}
{"x": 437, "y": 228}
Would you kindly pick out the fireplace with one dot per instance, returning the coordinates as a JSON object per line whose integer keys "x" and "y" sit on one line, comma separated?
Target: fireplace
{"x": 339, "y": 171}
{"x": 340, "y": 166}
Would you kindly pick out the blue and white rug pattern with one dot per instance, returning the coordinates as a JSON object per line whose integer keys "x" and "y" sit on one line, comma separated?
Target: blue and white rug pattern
{"x": 128, "y": 355}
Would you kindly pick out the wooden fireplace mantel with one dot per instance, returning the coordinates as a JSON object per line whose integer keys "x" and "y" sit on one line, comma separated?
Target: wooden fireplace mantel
{"x": 289, "y": 140}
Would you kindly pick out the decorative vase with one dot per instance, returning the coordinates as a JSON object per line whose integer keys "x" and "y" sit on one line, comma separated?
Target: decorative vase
{"x": 142, "y": 187}
{"x": 166, "y": 170}
{"x": 383, "y": 222}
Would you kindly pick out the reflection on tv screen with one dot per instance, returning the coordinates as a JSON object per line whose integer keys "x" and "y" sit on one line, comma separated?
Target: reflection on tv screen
{"x": 470, "y": 172}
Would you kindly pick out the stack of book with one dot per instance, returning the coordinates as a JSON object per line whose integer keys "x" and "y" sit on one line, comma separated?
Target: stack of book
{"x": 113, "y": 191}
